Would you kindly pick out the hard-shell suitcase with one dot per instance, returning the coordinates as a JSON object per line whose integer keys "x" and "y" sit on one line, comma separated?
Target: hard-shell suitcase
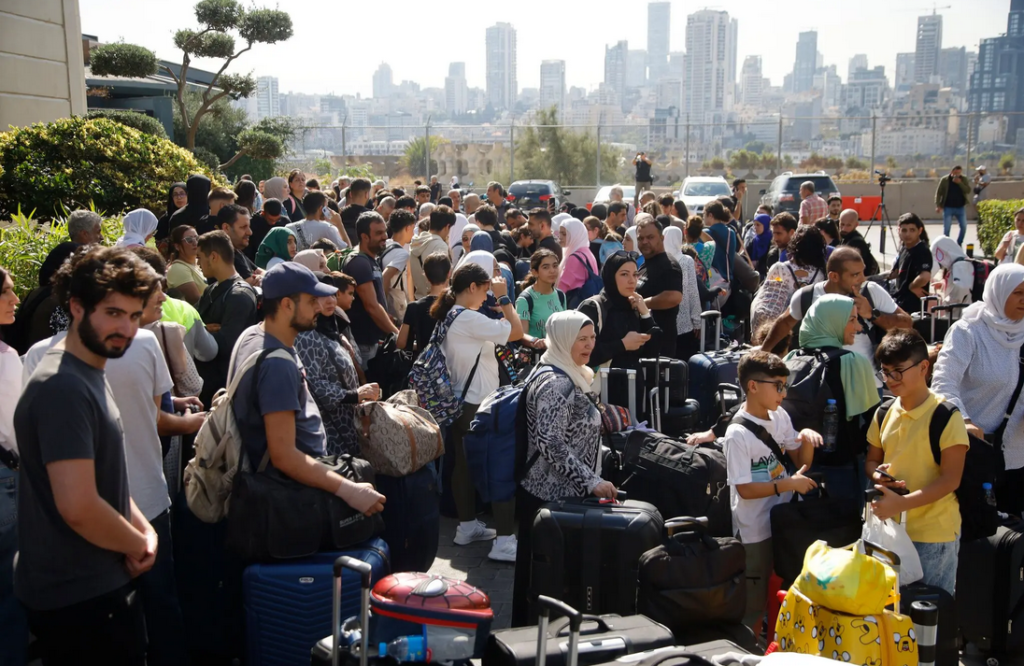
{"x": 578, "y": 638}
{"x": 681, "y": 655}
{"x": 667, "y": 387}
{"x": 340, "y": 646}
{"x": 613, "y": 462}
{"x": 990, "y": 592}
{"x": 412, "y": 518}
{"x": 586, "y": 552}
{"x": 288, "y": 604}
{"x": 947, "y": 653}
{"x": 708, "y": 369}
{"x": 619, "y": 387}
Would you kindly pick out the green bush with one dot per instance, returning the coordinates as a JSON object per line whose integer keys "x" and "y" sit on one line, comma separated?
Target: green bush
{"x": 77, "y": 163}
{"x": 140, "y": 121}
{"x": 995, "y": 218}
{"x": 25, "y": 243}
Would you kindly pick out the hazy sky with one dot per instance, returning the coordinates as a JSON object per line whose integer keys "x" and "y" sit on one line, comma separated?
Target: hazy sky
{"x": 331, "y": 52}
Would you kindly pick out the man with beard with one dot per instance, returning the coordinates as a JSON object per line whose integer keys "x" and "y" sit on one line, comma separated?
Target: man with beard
{"x": 369, "y": 315}
{"x": 82, "y": 539}
{"x": 274, "y": 410}
{"x": 849, "y": 220}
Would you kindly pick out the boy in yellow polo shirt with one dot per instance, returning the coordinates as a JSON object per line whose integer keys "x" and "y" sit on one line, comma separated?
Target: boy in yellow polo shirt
{"x": 900, "y": 445}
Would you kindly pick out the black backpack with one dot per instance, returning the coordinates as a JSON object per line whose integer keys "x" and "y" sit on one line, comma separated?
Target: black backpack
{"x": 978, "y": 519}
{"x": 982, "y": 269}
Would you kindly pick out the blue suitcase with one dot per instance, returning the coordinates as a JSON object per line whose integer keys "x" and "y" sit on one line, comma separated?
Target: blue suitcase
{"x": 708, "y": 369}
{"x": 288, "y": 604}
{"x": 412, "y": 518}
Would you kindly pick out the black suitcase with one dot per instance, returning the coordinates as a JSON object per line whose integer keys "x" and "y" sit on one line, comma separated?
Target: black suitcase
{"x": 613, "y": 462}
{"x": 708, "y": 369}
{"x": 990, "y": 592}
{"x": 667, "y": 384}
{"x": 680, "y": 480}
{"x": 586, "y": 552}
{"x": 412, "y": 518}
{"x": 698, "y": 654}
{"x": 582, "y": 639}
{"x": 947, "y": 653}
{"x": 693, "y": 578}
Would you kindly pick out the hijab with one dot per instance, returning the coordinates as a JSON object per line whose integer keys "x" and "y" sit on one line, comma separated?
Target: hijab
{"x": 484, "y": 260}
{"x": 311, "y": 259}
{"x": 198, "y": 189}
{"x": 674, "y": 244}
{"x": 725, "y": 247}
{"x": 945, "y": 250}
{"x": 455, "y": 232}
{"x": 482, "y": 241}
{"x": 560, "y": 333}
{"x": 558, "y": 220}
{"x": 276, "y": 188}
{"x": 275, "y": 244}
{"x": 991, "y": 311}
{"x": 763, "y": 241}
{"x": 576, "y": 239}
{"x": 171, "y": 208}
{"x": 631, "y": 233}
{"x": 610, "y": 290}
{"x": 138, "y": 226}
{"x": 823, "y": 326}
{"x": 54, "y": 261}
{"x": 328, "y": 326}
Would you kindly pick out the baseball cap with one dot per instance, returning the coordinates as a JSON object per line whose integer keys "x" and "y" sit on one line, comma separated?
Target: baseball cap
{"x": 289, "y": 278}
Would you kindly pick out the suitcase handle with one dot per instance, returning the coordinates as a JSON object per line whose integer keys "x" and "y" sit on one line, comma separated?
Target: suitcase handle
{"x": 365, "y": 572}
{"x": 685, "y": 524}
{"x": 559, "y": 627}
{"x": 544, "y": 608}
{"x": 924, "y": 303}
{"x": 620, "y": 497}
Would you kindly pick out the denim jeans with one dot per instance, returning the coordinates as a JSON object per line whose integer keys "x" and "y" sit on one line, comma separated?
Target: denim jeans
{"x": 947, "y": 221}
{"x": 938, "y": 561}
{"x": 846, "y": 481}
{"x": 13, "y": 622}
{"x": 168, "y": 645}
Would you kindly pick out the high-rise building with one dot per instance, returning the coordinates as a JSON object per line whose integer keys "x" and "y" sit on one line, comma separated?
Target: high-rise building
{"x": 659, "y": 15}
{"x": 502, "y": 86}
{"x": 859, "y": 61}
{"x": 751, "y": 81}
{"x": 866, "y": 89}
{"x": 383, "y": 84}
{"x": 953, "y": 68}
{"x": 636, "y": 69}
{"x": 904, "y": 79}
{"x": 268, "y": 101}
{"x": 830, "y": 84}
{"x": 710, "y": 71}
{"x": 552, "y": 84}
{"x": 806, "y": 61}
{"x": 929, "y": 45}
{"x": 456, "y": 92}
{"x": 615, "y": 63}
{"x": 997, "y": 83}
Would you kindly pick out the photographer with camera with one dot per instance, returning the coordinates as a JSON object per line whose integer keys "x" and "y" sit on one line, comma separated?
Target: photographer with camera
{"x": 951, "y": 200}
{"x": 643, "y": 178}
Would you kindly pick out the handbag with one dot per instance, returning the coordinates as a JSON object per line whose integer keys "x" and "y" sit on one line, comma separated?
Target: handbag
{"x": 892, "y": 535}
{"x": 273, "y": 517}
{"x": 846, "y": 580}
{"x": 186, "y": 378}
{"x": 398, "y": 438}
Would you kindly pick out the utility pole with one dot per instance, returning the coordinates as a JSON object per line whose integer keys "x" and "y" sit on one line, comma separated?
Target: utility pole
{"x": 874, "y": 140}
{"x": 344, "y": 153}
{"x": 426, "y": 150}
{"x": 598, "y": 152}
{"x": 512, "y": 151}
{"x": 778, "y": 153}
{"x": 970, "y": 137}
{"x": 687, "y": 145}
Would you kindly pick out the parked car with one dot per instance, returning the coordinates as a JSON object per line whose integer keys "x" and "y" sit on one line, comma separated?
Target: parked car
{"x": 604, "y": 194}
{"x": 698, "y": 191}
{"x": 784, "y": 193}
{"x": 529, "y": 194}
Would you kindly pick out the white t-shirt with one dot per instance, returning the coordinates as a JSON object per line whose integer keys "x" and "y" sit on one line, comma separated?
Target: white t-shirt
{"x": 135, "y": 379}
{"x": 10, "y": 391}
{"x": 474, "y": 334}
{"x": 308, "y": 232}
{"x": 1015, "y": 240}
{"x": 862, "y": 341}
{"x": 396, "y": 256}
{"x": 749, "y": 460}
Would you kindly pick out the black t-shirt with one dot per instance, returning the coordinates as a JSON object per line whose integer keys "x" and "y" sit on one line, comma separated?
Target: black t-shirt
{"x": 260, "y": 229}
{"x": 244, "y": 265}
{"x": 421, "y": 324}
{"x": 550, "y": 243}
{"x": 206, "y": 224}
{"x": 954, "y": 195}
{"x": 349, "y": 217}
{"x": 660, "y": 273}
{"x": 911, "y": 263}
{"x": 643, "y": 171}
{"x": 364, "y": 269}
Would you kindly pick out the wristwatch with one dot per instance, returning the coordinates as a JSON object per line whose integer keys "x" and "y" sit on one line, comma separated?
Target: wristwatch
{"x": 504, "y": 300}
{"x": 875, "y": 313}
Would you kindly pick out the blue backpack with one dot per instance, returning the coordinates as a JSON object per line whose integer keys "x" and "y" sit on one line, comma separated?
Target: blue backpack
{"x": 432, "y": 381}
{"x": 592, "y": 287}
{"x": 496, "y": 442}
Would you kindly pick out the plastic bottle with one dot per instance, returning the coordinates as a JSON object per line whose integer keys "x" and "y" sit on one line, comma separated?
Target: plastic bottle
{"x": 830, "y": 427}
{"x": 990, "y": 496}
{"x": 405, "y": 649}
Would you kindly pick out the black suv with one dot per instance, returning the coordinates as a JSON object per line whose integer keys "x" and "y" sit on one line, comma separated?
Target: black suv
{"x": 784, "y": 194}
{"x": 528, "y": 194}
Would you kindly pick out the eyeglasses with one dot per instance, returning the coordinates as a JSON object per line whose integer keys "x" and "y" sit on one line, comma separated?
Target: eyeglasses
{"x": 191, "y": 240}
{"x": 180, "y": 195}
{"x": 781, "y": 387}
{"x": 895, "y": 375}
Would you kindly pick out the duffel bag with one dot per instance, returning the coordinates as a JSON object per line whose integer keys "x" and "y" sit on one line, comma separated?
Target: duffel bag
{"x": 396, "y": 437}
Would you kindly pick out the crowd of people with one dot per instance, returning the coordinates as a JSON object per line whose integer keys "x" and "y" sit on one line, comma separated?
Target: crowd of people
{"x": 120, "y": 349}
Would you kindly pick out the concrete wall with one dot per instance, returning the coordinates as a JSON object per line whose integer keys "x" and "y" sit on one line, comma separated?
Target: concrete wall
{"x": 42, "y": 77}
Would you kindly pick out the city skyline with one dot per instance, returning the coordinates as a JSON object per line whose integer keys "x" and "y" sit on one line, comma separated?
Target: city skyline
{"x": 426, "y": 61}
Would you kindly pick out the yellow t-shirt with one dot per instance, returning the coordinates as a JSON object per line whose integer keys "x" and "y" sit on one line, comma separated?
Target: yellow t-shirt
{"x": 179, "y": 273}
{"x": 905, "y": 443}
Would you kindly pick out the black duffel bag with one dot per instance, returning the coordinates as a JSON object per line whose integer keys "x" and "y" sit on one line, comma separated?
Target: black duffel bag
{"x": 693, "y": 578}
{"x": 273, "y": 517}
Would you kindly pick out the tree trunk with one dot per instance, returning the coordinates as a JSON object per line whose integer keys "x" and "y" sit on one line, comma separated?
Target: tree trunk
{"x": 234, "y": 159}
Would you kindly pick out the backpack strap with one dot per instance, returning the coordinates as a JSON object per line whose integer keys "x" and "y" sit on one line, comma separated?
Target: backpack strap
{"x": 806, "y": 299}
{"x": 561, "y": 298}
{"x": 762, "y": 434}
{"x": 940, "y": 419}
{"x": 590, "y": 271}
{"x": 998, "y": 435}
{"x": 529, "y": 303}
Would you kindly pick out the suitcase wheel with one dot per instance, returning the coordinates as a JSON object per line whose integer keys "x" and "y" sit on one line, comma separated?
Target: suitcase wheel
{"x": 991, "y": 661}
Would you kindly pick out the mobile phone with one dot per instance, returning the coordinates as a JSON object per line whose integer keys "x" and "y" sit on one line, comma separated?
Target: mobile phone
{"x": 886, "y": 475}
{"x": 327, "y": 212}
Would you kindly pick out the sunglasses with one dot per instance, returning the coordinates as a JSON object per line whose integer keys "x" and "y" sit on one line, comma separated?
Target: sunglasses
{"x": 191, "y": 240}
{"x": 628, "y": 254}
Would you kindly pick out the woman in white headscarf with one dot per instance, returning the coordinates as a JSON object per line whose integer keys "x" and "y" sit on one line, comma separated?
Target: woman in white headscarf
{"x": 563, "y": 428}
{"x": 139, "y": 227}
{"x": 455, "y": 236}
{"x": 629, "y": 243}
{"x": 314, "y": 260}
{"x": 276, "y": 188}
{"x": 979, "y": 369}
{"x": 957, "y": 276}
{"x": 688, "y": 318}
{"x": 576, "y": 257}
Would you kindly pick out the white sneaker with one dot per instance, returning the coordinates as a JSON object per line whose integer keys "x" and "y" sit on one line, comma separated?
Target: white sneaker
{"x": 504, "y": 549}
{"x": 467, "y": 533}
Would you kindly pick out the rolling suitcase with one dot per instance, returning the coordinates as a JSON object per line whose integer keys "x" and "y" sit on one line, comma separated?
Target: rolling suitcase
{"x": 288, "y": 604}
{"x": 947, "y": 653}
{"x": 990, "y": 593}
{"x": 412, "y": 518}
{"x": 586, "y": 552}
{"x": 337, "y": 648}
{"x": 613, "y": 450}
{"x": 619, "y": 387}
{"x": 670, "y": 410}
{"x": 924, "y": 322}
{"x": 708, "y": 369}
{"x": 590, "y": 639}
{"x": 698, "y": 654}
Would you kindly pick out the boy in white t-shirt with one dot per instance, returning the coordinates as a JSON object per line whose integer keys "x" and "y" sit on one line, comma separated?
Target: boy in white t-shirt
{"x": 754, "y": 442}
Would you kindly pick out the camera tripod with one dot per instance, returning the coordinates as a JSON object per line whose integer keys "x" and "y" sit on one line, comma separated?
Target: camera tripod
{"x": 882, "y": 215}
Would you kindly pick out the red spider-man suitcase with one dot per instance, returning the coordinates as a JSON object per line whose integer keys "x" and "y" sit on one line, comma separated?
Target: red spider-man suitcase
{"x": 453, "y": 616}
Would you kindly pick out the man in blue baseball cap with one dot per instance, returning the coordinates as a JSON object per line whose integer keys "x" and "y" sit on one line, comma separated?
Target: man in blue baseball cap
{"x": 275, "y": 411}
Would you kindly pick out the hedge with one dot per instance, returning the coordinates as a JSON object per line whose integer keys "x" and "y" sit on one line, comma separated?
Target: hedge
{"x": 995, "y": 218}
{"x": 77, "y": 163}
{"x": 136, "y": 119}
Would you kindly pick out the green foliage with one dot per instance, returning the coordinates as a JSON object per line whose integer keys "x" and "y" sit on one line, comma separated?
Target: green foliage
{"x": 207, "y": 158}
{"x": 120, "y": 59}
{"x": 266, "y": 26}
{"x": 260, "y": 144}
{"x": 756, "y": 146}
{"x": 415, "y": 158}
{"x": 359, "y": 171}
{"x": 25, "y": 243}
{"x": 1006, "y": 162}
{"x": 218, "y": 14}
{"x": 717, "y": 163}
{"x": 995, "y": 218}
{"x": 77, "y": 163}
{"x": 854, "y": 163}
{"x": 237, "y": 86}
{"x": 816, "y": 161}
{"x": 135, "y": 119}
{"x": 219, "y": 129}
{"x": 567, "y": 157}
{"x": 211, "y": 45}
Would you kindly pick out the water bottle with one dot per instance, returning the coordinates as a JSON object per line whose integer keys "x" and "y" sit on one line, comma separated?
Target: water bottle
{"x": 405, "y": 649}
{"x": 990, "y": 495}
{"x": 830, "y": 427}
